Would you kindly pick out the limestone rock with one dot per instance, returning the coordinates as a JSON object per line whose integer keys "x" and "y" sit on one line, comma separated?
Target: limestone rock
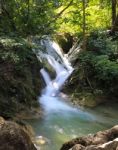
{"x": 102, "y": 140}
{"x": 78, "y": 147}
{"x": 13, "y": 137}
{"x": 112, "y": 145}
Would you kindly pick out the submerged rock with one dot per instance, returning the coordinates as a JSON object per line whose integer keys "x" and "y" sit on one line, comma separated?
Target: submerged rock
{"x": 13, "y": 137}
{"x": 102, "y": 140}
{"x": 40, "y": 140}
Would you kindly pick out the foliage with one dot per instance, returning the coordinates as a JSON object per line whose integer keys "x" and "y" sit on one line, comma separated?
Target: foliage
{"x": 99, "y": 64}
{"x": 14, "y": 49}
{"x": 26, "y": 17}
{"x": 19, "y": 75}
{"x": 45, "y": 17}
{"x": 98, "y": 16}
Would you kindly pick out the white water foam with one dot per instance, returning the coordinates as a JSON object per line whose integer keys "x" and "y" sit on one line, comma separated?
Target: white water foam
{"x": 49, "y": 98}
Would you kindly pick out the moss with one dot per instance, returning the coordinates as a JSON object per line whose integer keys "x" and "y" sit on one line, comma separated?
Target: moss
{"x": 88, "y": 99}
{"x": 65, "y": 40}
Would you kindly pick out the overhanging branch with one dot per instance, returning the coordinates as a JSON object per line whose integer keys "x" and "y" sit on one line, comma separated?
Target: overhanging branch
{"x": 57, "y": 15}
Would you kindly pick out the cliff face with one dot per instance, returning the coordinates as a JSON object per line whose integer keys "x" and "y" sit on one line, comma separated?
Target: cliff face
{"x": 20, "y": 82}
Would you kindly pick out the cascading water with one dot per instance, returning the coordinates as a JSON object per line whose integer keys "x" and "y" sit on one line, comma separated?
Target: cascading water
{"x": 51, "y": 98}
{"x": 62, "y": 122}
{"x": 50, "y": 95}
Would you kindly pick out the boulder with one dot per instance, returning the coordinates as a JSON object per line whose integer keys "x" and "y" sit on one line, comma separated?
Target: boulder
{"x": 112, "y": 145}
{"x": 84, "y": 141}
{"x": 13, "y": 137}
{"x": 102, "y": 140}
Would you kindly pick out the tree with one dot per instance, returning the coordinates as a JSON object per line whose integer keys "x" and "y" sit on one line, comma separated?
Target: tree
{"x": 113, "y": 12}
{"x": 114, "y": 27}
{"x": 84, "y": 24}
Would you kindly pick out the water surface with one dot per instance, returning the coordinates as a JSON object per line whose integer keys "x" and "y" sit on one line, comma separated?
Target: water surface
{"x": 59, "y": 126}
{"x": 61, "y": 122}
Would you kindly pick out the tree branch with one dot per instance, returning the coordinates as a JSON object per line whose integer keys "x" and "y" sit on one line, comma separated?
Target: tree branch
{"x": 58, "y": 15}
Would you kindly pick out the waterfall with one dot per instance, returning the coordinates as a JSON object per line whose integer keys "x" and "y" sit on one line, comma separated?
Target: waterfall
{"x": 52, "y": 53}
{"x": 53, "y": 86}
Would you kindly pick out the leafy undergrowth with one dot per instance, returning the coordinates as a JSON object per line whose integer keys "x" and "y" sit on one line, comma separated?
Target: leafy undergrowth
{"x": 97, "y": 67}
{"x": 19, "y": 76}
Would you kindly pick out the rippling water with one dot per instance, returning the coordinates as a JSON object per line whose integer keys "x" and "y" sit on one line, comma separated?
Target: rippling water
{"x": 60, "y": 126}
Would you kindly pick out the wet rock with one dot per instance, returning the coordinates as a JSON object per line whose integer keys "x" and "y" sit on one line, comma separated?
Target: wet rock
{"x": 112, "y": 145}
{"x": 102, "y": 140}
{"x": 88, "y": 99}
{"x": 81, "y": 140}
{"x": 40, "y": 140}
{"x": 66, "y": 41}
{"x": 105, "y": 136}
{"x": 78, "y": 147}
{"x": 13, "y": 137}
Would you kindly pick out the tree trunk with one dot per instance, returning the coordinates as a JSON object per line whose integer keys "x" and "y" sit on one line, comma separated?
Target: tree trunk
{"x": 115, "y": 25}
{"x": 113, "y": 12}
{"x": 84, "y": 25}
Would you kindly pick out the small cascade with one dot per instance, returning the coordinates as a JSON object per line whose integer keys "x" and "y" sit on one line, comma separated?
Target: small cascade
{"x": 62, "y": 74}
{"x": 61, "y": 121}
{"x": 46, "y": 76}
{"x": 50, "y": 98}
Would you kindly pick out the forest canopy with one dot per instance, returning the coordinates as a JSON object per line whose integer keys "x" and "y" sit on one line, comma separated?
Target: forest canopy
{"x": 49, "y": 16}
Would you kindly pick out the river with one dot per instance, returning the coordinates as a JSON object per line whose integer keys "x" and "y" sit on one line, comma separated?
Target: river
{"x": 58, "y": 127}
{"x": 61, "y": 121}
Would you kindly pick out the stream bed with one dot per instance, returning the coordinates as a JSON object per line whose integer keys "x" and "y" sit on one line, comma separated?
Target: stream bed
{"x": 58, "y": 125}
{"x": 61, "y": 121}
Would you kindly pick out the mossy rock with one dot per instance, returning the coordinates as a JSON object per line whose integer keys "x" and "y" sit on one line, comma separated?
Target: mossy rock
{"x": 65, "y": 40}
{"x": 88, "y": 99}
{"x": 14, "y": 137}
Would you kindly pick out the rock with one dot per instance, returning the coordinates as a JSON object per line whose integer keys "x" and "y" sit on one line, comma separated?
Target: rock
{"x": 102, "y": 140}
{"x": 112, "y": 145}
{"x": 13, "y": 137}
{"x": 40, "y": 140}
{"x": 78, "y": 147}
{"x": 90, "y": 100}
{"x": 65, "y": 40}
{"x": 81, "y": 140}
{"x": 105, "y": 136}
